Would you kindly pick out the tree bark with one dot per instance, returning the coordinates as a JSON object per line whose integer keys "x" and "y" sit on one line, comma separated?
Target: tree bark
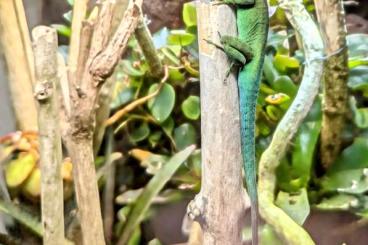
{"x": 220, "y": 206}
{"x": 52, "y": 201}
{"x": 331, "y": 17}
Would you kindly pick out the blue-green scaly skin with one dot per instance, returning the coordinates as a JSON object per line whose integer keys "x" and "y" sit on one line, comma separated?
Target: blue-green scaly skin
{"x": 252, "y": 23}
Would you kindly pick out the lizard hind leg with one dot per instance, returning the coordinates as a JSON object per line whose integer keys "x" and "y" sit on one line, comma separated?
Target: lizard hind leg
{"x": 238, "y": 44}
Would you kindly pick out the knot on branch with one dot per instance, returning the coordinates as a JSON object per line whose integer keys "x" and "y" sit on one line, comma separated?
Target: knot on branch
{"x": 196, "y": 208}
{"x": 43, "y": 91}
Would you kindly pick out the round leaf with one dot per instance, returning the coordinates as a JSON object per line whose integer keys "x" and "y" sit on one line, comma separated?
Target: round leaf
{"x": 185, "y": 135}
{"x": 162, "y": 105}
{"x": 180, "y": 37}
{"x": 189, "y": 14}
{"x": 140, "y": 133}
{"x": 191, "y": 107}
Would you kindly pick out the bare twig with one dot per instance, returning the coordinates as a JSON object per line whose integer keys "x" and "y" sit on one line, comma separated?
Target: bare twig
{"x": 45, "y": 92}
{"x": 79, "y": 14}
{"x": 286, "y": 227}
{"x": 17, "y": 49}
{"x": 119, "y": 114}
{"x": 145, "y": 41}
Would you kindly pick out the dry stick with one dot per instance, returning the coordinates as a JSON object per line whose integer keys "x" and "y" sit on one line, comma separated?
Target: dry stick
{"x": 145, "y": 41}
{"x": 79, "y": 14}
{"x": 16, "y": 43}
{"x": 106, "y": 91}
{"x": 270, "y": 159}
{"x": 220, "y": 206}
{"x": 45, "y": 92}
{"x": 331, "y": 17}
{"x": 82, "y": 120}
{"x": 122, "y": 112}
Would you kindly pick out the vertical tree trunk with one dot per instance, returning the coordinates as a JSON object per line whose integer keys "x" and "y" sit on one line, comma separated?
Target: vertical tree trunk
{"x": 331, "y": 17}
{"x": 220, "y": 206}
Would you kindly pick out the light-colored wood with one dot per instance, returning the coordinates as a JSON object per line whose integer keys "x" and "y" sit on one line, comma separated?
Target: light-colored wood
{"x": 46, "y": 67}
{"x": 221, "y": 204}
{"x": 15, "y": 40}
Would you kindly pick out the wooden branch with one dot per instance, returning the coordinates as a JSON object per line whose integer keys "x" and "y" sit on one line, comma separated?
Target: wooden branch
{"x": 270, "y": 159}
{"x": 104, "y": 100}
{"x": 220, "y": 206}
{"x": 82, "y": 121}
{"x": 103, "y": 65}
{"x": 331, "y": 17}
{"x": 79, "y": 14}
{"x": 145, "y": 41}
{"x": 45, "y": 92}
{"x": 14, "y": 38}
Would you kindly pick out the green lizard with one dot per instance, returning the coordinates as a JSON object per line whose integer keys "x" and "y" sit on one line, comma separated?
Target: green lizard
{"x": 247, "y": 50}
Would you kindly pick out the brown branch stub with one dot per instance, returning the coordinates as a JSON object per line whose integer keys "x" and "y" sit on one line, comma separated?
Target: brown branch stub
{"x": 104, "y": 63}
{"x": 46, "y": 67}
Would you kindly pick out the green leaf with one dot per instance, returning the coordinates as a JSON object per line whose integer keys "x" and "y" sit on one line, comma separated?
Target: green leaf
{"x": 292, "y": 177}
{"x": 338, "y": 202}
{"x": 357, "y": 45}
{"x": 151, "y": 190}
{"x": 285, "y": 64}
{"x": 180, "y": 37}
{"x": 353, "y": 181}
{"x": 361, "y": 117}
{"x": 191, "y": 107}
{"x": 358, "y": 79}
{"x": 176, "y": 75}
{"x": 353, "y": 157}
{"x": 283, "y": 84}
{"x": 269, "y": 237}
{"x": 140, "y": 133}
{"x": 185, "y": 135}
{"x": 295, "y": 205}
{"x": 154, "y": 138}
{"x": 63, "y": 30}
{"x": 162, "y": 105}
{"x": 168, "y": 126}
{"x": 189, "y": 14}
{"x": 22, "y": 216}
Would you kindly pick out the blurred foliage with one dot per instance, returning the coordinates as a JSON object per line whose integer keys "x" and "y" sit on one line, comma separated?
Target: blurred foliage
{"x": 151, "y": 134}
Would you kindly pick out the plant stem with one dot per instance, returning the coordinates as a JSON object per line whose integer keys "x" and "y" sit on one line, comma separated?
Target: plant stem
{"x": 286, "y": 129}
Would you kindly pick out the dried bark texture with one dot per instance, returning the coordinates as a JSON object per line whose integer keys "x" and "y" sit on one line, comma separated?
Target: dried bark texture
{"x": 17, "y": 49}
{"x": 101, "y": 60}
{"x": 220, "y": 206}
{"x": 45, "y": 92}
{"x": 331, "y": 17}
{"x": 79, "y": 14}
{"x": 286, "y": 227}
